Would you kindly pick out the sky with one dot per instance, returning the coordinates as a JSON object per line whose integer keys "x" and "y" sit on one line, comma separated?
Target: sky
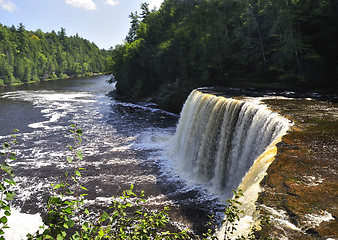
{"x": 104, "y": 22}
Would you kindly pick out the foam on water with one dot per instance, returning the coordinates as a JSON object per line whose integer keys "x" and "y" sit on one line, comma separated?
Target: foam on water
{"x": 161, "y": 144}
{"x": 21, "y": 224}
{"x": 281, "y": 218}
{"x": 316, "y": 219}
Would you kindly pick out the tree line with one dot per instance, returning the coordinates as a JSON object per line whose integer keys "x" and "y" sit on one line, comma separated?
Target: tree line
{"x": 190, "y": 43}
{"x": 27, "y": 56}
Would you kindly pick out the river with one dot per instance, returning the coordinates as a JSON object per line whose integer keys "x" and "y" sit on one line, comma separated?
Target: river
{"x": 123, "y": 145}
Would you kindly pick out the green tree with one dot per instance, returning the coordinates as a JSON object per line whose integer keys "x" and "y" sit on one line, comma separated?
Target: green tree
{"x": 35, "y": 55}
{"x": 133, "y": 28}
{"x": 186, "y": 44}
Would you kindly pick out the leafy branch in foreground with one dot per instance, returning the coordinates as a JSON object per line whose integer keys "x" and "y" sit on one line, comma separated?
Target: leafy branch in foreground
{"x": 232, "y": 213}
{"x": 67, "y": 213}
{"x": 6, "y": 181}
{"x": 132, "y": 221}
{"x": 65, "y": 205}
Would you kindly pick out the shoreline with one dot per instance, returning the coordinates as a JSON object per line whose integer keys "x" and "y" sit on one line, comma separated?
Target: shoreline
{"x": 3, "y": 87}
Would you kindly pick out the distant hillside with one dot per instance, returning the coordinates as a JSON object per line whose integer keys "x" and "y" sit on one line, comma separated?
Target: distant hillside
{"x": 27, "y": 56}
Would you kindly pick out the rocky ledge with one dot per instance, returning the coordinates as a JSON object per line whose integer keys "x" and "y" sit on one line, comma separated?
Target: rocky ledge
{"x": 300, "y": 190}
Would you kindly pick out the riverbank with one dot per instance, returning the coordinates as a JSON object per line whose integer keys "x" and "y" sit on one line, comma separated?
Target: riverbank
{"x": 300, "y": 189}
{"x": 54, "y": 79}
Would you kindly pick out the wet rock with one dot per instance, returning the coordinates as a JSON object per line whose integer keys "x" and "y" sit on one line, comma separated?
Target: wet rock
{"x": 303, "y": 178}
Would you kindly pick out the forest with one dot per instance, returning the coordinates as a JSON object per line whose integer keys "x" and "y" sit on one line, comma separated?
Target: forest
{"x": 286, "y": 44}
{"x": 32, "y": 56}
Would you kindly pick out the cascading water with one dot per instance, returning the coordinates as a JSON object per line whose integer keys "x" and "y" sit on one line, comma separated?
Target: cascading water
{"x": 227, "y": 143}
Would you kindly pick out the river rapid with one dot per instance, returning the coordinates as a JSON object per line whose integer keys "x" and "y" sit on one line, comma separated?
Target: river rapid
{"x": 123, "y": 144}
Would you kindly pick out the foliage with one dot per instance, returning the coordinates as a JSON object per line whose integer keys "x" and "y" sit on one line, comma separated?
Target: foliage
{"x": 232, "y": 214}
{"x": 27, "y": 56}
{"x": 68, "y": 217}
{"x": 195, "y": 43}
{"x": 129, "y": 221}
{"x": 65, "y": 206}
{"x": 5, "y": 182}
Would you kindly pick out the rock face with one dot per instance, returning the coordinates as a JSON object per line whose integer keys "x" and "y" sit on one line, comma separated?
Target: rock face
{"x": 300, "y": 189}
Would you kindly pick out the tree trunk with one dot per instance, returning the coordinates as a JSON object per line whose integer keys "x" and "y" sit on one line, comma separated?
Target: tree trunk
{"x": 293, "y": 39}
{"x": 260, "y": 36}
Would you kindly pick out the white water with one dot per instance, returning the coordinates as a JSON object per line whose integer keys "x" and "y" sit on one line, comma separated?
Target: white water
{"x": 21, "y": 224}
{"x": 111, "y": 128}
{"x": 225, "y": 144}
{"x": 218, "y": 139}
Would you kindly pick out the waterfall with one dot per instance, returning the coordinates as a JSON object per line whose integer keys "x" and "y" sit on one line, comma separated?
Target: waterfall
{"x": 227, "y": 143}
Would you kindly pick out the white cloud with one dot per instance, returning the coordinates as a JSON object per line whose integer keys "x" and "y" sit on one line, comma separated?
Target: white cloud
{"x": 87, "y": 4}
{"x": 112, "y": 2}
{"x": 155, "y": 4}
{"x": 8, "y": 5}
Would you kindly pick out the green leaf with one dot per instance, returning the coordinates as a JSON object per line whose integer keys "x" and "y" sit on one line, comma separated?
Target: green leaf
{"x": 70, "y": 223}
{"x": 69, "y": 159}
{"x": 65, "y": 225}
{"x": 77, "y": 173}
{"x": 79, "y": 154}
{"x": 85, "y": 226}
{"x": 104, "y": 217}
{"x": 6, "y": 208}
{"x": 10, "y": 182}
{"x": 79, "y": 132}
{"x": 59, "y": 237}
{"x": 10, "y": 195}
{"x": 7, "y": 213}
{"x": 128, "y": 204}
{"x": 3, "y": 220}
{"x": 74, "y": 179}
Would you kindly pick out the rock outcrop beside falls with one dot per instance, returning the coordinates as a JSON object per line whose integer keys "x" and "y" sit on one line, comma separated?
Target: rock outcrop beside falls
{"x": 300, "y": 189}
